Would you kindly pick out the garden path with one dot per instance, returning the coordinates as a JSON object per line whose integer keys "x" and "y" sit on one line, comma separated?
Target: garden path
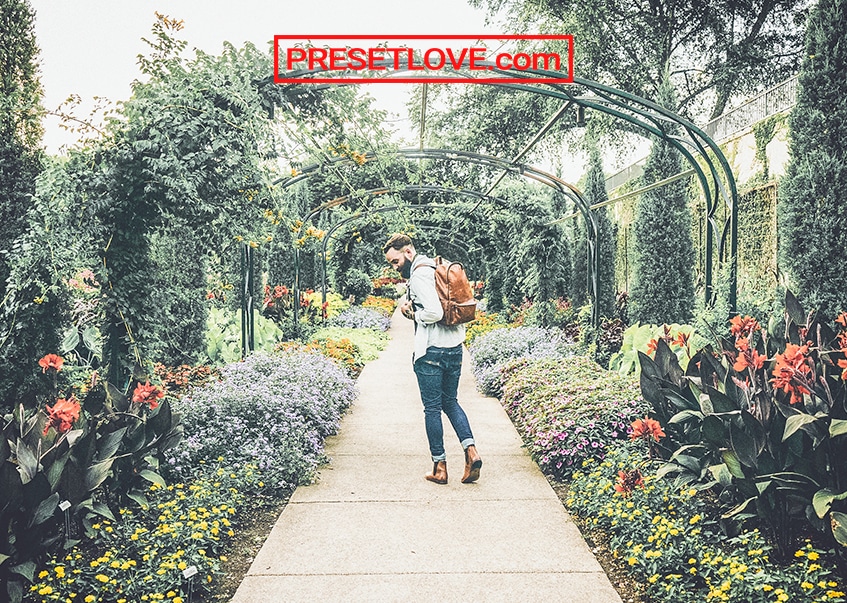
{"x": 372, "y": 529}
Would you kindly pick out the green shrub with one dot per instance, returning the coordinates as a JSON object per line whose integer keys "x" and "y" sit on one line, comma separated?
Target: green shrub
{"x": 356, "y": 285}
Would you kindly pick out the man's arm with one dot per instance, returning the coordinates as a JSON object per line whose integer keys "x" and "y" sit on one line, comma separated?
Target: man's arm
{"x": 427, "y": 305}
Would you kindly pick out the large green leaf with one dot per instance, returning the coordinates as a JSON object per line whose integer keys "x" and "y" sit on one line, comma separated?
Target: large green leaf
{"x": 823, "y": 499}
{"x": 25, "y": 569}
{"x": 70, "y": 340}
{"x": 97, "y": 473}
{"x": 733, "y": 464}
{"x": 839, "y": 527}
{"x": 721, "y": 474}
{"x": 108, "y": 444}
{"x": 45, "y": 510}
{"x": 743, "y": 445}
{"x": 837, "y": 427}
{"x": 794, "y": 309}
{"x": 795, "y": 422}
{"x": 153, "y": 477}
{"x": 27, "y": 461}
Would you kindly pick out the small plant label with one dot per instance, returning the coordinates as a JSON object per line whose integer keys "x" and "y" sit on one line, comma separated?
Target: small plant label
{"x": 189, "y": 571}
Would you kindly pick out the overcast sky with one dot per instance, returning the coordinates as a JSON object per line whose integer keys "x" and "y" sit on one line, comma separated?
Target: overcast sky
{"x": 89, "y": 47}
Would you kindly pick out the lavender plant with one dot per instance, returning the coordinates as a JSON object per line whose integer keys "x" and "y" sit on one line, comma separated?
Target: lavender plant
{"x": 269, "y": 411}
{"x": 358, "y": 317}
{"x": 490, "y": 352}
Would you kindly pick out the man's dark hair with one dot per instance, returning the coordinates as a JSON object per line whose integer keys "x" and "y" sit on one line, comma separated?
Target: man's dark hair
{"x": 396, "y": 241}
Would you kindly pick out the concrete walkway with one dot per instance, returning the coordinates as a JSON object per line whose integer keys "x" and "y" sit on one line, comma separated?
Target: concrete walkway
{"x": 372, "y": 529}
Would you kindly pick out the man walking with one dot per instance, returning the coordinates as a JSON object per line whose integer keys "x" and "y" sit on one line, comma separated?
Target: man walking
{"x": 437, "y": 358}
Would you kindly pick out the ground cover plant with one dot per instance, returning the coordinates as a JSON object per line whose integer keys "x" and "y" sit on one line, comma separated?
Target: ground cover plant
{"x": 491, "y": 351}
{"x": 359, "y": 317}
{"x": 569, "y": 409}
{"x": 270, "y": 411}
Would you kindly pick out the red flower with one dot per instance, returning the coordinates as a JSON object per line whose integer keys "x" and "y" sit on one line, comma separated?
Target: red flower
{"x": 51, "y": 361}
{"x": 742, "y": 327}
{"x": 645, "y": 429}
{"x": 842, "y": 319}
{"x": 210, "y": 295}
{"x": 62, "y": 414}
{"x": 147, "y": 394}
{"x": 843, "y": 364}
{"x": 628, "y": 481}
{"x": 749, "y": 358}
{"x": 682, "y": 339}
{"x": 791, "y": 372}
{"x": 651, "y": 346}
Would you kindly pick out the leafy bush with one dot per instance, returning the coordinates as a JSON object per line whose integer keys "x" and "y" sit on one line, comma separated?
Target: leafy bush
{"x": 494, "y": 349}
{"x": 94, "y": 454}
{"x": 669, "y": 538}
{"x": 763, "y": 422}
{"x": 223, "y": 338}
{"x": 356, "y": 284}
{"x": 315, "y": 309}
{"x": 568, "y": 409}
{"x": 358, "y": 317}
{"x": 269, "y": 411}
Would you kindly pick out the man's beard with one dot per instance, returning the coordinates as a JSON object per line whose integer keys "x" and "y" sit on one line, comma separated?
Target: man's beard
{"x": 406, "y": 269}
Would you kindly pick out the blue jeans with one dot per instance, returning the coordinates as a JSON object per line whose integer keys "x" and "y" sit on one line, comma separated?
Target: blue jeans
{"x": 438, "y": 379}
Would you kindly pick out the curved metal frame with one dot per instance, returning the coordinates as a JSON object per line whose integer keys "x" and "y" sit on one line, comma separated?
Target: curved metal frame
{"x": 536, "y": 174}
{"x": 647, "y": 116}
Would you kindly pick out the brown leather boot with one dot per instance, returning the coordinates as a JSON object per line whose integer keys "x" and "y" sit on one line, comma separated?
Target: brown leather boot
{"x": 472, "y": 465}
{"x": 439, "y": 473}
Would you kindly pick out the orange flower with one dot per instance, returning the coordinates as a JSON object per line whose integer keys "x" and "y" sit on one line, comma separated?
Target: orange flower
{"x": 742, "y": 327}
{"x": 62, "y": 414}
{"x": 147, "y": 394}
{"x": 749, "y": 358}
{"x": 791, "y": 372}
{"x": 842, "y": 319}
{"x": 682, "y": 339}
{"x": 51, "y": 361}
{"x": 652, "y": 345}
{"x": 628, "y": 481}
{"x": 645, "y": 429}
{"x": 843, "y": 364}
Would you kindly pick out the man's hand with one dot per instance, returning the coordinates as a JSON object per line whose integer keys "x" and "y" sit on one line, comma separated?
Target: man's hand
{"x": 407, "y": 310}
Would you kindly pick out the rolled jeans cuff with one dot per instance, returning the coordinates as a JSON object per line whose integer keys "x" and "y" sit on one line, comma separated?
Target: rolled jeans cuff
{"x": 468, "y": 442}
{"x": 439, "y": 458}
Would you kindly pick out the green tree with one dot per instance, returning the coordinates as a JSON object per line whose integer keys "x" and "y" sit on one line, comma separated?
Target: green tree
{"x": 811, "y": 207}
{"x": 595, "y": 192}
{"x": 663, "y": 280}
{"x": 20, "y": 124}
{"x": 713, "y": 50}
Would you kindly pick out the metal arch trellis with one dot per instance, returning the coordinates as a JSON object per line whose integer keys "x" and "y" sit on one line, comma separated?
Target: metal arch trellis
{"x": 367, "y": 215}
{"x": 647, "y": 116}
{"x": 536, "y": 174}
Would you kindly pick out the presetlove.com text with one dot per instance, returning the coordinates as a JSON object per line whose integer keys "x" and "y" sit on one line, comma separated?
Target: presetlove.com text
{"x": 417, "y": 59}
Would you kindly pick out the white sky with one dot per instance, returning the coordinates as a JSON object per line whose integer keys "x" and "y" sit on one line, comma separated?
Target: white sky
{"x": 89, "y": 47}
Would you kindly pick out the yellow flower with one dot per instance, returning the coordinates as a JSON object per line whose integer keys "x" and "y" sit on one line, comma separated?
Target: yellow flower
{"x": 45, "y": 590}
{"x": 800, "y": 553}
{"x": 813, "y": 555}
{"x": 177, "y": 599}
{"x": 632, "y": 560}
{"x": 767, "y": 588}
{"x": 102, "y": 578}
{"x": 90, "y": 599}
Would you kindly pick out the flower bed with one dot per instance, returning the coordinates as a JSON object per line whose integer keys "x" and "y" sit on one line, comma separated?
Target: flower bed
{"x": 569, "y": 409}
{"x": 491, "y": 351}
{"x": 671, "y": 541}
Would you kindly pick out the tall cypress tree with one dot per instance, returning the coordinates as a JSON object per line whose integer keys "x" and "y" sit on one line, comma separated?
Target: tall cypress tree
{"x": 663, "y": 283}
{"x": 20, "y": 123}
{"x": 813, "y": 192}
{"x": 595, "y": 192}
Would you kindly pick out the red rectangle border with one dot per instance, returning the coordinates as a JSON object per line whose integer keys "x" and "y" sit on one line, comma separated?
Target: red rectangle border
{"x": 425, "y": 80}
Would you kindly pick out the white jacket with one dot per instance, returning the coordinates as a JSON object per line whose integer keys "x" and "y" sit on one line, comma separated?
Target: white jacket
{"x": 428, "y": 311}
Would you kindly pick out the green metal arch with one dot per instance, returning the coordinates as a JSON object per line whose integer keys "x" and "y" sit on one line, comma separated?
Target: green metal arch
{"x": 650, "y": 117}
{"x": 536, "y": 174}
